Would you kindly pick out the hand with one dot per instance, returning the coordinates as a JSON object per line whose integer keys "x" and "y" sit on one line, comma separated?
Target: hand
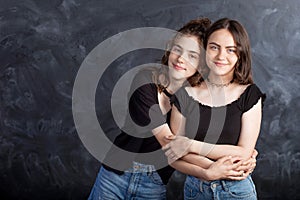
{"x": 249, "y": 165}
{"x": 225, "y": 168}
{"x": 177, "y": 147}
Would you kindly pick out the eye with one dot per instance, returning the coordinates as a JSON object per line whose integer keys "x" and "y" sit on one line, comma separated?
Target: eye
{"x": 231, "y": 51}
{"x": 176, "y": 49}
{"x": 213, "y": 47}
{"x": 194, "y": 56}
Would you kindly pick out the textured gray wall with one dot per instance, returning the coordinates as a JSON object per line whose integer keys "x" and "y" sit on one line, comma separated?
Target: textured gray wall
{"x": 43, "y": 43}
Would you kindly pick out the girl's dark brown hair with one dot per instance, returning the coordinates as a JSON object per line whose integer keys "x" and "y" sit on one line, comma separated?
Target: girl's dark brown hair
{"x": 197, "y": 28}
{"x": 242, "y": 71}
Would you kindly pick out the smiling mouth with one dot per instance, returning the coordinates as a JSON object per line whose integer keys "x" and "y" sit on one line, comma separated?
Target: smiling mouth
{"x": 177, "y": 67}
{"x": 219, "y": 64}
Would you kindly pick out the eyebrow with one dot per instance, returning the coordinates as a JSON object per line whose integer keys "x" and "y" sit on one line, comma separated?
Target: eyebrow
{"x": 227, "y": 47}
{"x": 177, "y": 45}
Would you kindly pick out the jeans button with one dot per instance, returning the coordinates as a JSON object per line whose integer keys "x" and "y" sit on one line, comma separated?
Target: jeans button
{"x": 214, "y": 185}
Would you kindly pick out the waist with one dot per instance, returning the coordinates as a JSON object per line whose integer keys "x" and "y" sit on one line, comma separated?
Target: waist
{"x": 218, "y": 183}
{"x": 136, "y": 167}
{"x": 139, "y": 167}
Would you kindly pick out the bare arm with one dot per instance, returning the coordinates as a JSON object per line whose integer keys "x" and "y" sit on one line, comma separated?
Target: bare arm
{"x": 249, "y": 133}
{"x": 198, "y": 160}
{"x": 202, "y": 167}
{"x": 161, "y": 133}
{"x": 244, "y": 166}
{"x": 251, "y": 121}
{"x": 224, "y": 168}
{"x": 164, "y": 131}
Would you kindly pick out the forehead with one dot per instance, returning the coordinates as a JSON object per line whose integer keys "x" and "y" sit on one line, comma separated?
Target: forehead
{"x": 222, "y": 37}
{"x": 189, "y": 43}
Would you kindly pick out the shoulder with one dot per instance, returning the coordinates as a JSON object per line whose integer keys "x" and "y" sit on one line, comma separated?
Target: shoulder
{"x": 253, "y": 90}
{"x": 143, "y": 76}
{"x": 143, "y": 81}
{"x": 251, "y": 95}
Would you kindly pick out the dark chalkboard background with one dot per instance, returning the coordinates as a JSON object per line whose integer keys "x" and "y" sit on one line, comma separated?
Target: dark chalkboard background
{"x": 44, "y": 42}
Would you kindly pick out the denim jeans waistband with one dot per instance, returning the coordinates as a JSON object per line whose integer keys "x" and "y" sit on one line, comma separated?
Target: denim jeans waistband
{"x": 139, "y": 167}
{"x": 225, "y": 184}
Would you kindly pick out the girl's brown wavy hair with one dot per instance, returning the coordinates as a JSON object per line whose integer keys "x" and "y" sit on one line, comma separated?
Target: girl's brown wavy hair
{"x": 242, "y": 71}
{"x": 197, "y": 28}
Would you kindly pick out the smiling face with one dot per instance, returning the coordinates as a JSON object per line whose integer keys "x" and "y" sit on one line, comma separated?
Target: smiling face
{"x": 184, "y": 57}
{"x": 221, "y": 54}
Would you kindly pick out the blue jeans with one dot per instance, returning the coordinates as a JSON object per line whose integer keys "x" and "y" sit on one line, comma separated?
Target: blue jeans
{"x": 139, "y": 182}
{"x": 221, "y": 189}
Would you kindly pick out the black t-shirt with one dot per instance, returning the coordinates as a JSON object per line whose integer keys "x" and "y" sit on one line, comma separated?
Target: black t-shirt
{"x": 217, "y": 125}
{"x": 136, "y": 136}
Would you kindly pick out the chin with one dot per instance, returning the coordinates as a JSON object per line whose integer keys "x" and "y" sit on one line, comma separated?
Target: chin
{"x": 177, "y": 76}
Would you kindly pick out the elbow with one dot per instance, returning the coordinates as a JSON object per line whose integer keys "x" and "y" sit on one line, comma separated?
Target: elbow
{"x": 245, "y": 154}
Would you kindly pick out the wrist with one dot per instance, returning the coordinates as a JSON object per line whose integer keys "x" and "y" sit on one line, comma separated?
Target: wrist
{"x": 207, "y": 175}
{"x": 192, "y": 147}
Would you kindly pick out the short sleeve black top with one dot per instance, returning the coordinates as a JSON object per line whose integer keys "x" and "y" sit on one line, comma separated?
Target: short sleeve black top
{"x": 136, "y": 136}
{"x": 217, "y": 125}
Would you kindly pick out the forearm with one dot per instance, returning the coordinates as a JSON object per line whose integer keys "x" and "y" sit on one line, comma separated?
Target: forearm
{"x": 249, "y": 132}
{"x": 215, "y": 152}
{"x": 161, "y": 132}
{"x": 189, "y": 169}
{"x": 198, "y": 160}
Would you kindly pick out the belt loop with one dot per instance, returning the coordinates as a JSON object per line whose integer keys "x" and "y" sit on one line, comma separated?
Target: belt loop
{"x": 150, "y": 170}
{"x": 201, "y": 185}
{"x": 224, "y": 185}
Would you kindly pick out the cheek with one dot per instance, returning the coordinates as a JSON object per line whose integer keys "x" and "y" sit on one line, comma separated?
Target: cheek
{"x": 194, "y": 65}
{"x": 193, "y": 70}
{"x": 208, "y": 57}
{"x": 208, "y": 60}
{"x": 234, "y": 61}
{"x": 171, "y": 59}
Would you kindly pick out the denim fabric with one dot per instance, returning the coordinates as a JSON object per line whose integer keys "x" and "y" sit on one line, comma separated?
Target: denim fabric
{"x": 140, "y": 182}
{"x": 219, "y": 190}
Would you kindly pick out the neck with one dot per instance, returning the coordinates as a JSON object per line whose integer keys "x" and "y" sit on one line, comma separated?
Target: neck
{"x": 174, "y": 85}
{"x": 219, "y": 82}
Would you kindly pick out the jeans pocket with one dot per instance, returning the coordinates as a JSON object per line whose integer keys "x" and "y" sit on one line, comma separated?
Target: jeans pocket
{"x": 155, "y": 178}
{"x": 191, "y": 189}
{"x": 244, "y": 189}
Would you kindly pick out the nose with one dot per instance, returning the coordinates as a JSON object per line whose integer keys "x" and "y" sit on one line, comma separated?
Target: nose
{"x": 181, "y": 58}
{"x": 221, "y": 54}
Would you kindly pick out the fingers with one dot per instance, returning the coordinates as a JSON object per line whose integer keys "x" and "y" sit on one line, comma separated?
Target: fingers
{"x": 252, "y": 167}
{"x": 235, "y": 159}
{"x": 247, "y": 162}
{"x": 237, "y": 175}
{"x": 235, "y": 162}
{"x": 168, "y": 153}
{"x": 250, "y": 171}
{"x": 171, "y": 155}
{"x": 254, "y": 154}
{"x": 225, "y": 159}
{"x": 230, "y": 162}
{"x": 237, "y": 178}
{"x": 248, "y": 167}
